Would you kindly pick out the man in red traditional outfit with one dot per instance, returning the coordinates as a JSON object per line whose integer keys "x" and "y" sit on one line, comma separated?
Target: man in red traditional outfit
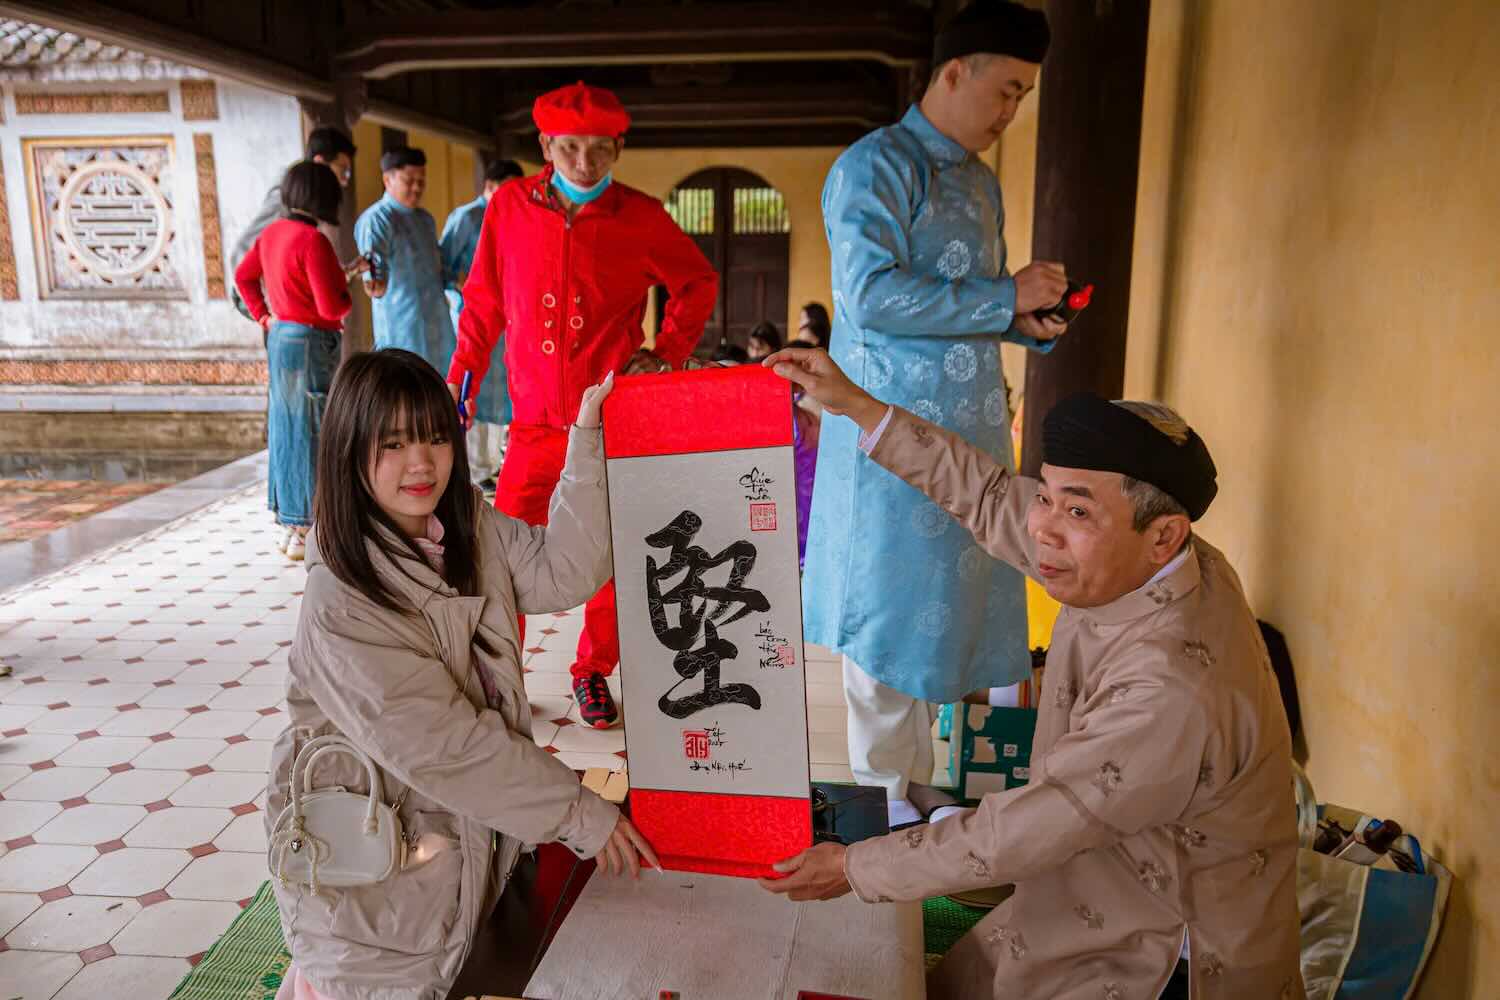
{"x": 565, "y": 260}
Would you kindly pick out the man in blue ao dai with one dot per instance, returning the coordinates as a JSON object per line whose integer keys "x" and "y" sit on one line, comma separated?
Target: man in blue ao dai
{"x": 922, "y": 301}
{"x": 406, "y": 279}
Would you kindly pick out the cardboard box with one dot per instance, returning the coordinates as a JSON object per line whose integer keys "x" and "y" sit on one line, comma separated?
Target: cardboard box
{"x": 991, "y": 749}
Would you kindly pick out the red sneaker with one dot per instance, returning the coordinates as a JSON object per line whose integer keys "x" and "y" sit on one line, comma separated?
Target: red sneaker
{"x": 595, "y": 704}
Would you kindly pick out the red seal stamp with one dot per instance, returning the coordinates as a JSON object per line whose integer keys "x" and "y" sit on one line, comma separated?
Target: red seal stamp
{"x": 695, "y": 744}
{"x": 763, "y": 517}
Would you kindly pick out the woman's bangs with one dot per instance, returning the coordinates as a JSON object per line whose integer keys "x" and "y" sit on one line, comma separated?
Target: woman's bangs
{"x": 419, "y": 406}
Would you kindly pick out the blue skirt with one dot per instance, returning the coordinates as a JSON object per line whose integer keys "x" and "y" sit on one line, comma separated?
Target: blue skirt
{"x": 302, "y": 360}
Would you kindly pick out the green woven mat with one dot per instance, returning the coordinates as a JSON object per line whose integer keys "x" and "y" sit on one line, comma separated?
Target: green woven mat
{"x": 943, "y": 923}
{"x": 247, "y": 962}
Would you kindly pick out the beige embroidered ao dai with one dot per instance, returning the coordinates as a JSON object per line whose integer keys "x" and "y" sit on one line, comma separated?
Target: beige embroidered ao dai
{"x": 1160, "y": 802}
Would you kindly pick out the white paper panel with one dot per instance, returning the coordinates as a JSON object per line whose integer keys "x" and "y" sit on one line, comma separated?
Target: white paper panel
{"x": 729, "y": 746}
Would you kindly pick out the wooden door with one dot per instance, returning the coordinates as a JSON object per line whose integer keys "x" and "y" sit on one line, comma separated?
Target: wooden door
{"x": 740, "y": 223}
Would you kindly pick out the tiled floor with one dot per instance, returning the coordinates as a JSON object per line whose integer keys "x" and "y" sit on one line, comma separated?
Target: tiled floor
{"x": 134, "y": 736}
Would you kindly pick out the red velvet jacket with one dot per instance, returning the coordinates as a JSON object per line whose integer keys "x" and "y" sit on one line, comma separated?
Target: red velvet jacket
{"x": 569, "y": 297}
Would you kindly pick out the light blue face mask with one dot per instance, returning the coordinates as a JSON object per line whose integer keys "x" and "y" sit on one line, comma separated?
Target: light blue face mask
{"x": 578, "y": 195}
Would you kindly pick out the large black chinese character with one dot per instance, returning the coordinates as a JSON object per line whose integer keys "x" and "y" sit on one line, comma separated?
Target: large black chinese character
{"x": 701, "y": 608}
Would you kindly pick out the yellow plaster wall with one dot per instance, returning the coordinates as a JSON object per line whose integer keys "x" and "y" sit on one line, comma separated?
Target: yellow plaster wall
{"x": 1316, "y": 288}
{"x": 1014, "y": 161}
{"x": 797, "y": 173}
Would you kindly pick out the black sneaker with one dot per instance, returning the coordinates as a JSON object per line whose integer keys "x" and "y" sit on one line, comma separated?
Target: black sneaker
{"x": 595, "y": 704}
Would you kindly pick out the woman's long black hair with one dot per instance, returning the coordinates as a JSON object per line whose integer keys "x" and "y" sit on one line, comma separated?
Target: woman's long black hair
{"x": 372, "y": 393}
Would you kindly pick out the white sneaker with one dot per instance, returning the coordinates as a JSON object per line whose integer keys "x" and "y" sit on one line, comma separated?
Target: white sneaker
{"x": 286, "y": 538}
{"x": 296, "y": 549}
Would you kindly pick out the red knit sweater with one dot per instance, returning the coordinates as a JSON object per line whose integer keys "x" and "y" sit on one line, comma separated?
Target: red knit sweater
{"x": 302, "y": 275}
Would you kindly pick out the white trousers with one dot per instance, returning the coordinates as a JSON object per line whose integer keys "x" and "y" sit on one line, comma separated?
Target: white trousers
{"x": 485, "y": 444}
{"x": 890, "y": 734}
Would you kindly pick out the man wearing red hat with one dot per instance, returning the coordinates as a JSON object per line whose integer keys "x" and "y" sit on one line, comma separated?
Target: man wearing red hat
{"x": 565, "y": 260}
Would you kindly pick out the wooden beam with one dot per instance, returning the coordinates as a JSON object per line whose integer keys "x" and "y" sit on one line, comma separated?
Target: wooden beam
{"x": 1087, "y": 159}
{"x": 176, "y": 40}
{"x": 744, "y": 138}
{"x": 709, "y": 107}
{"x": 832, "y": 30}
{"x": 400, "y": 116}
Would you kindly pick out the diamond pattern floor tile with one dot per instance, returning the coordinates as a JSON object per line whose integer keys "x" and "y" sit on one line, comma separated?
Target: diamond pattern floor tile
{"x": 222, "y": 789}
{"x": 103, "y": 751}
{"x": 138, "y": 787}
{"x": 143, "y": 722}
{"x": 226, "y": 875}
{"x": 246, "y": 833}
{"x": 180, "y": 754}
{"x": 125, "y": 976}
{"x": 16, "y": 907}
{"x": 217, "y": 724}
{"x": 176, "y": 928}
{"x": 251, "y": 755}
{"x": 38, "y": 867}
{"x": 179, "y": 827}
{"x": 130, "y": 871}
{"x": 73, "y": 719}
{"x": 74, "y": 923}
{"x": 56, "y": 784}
{"x": 38, "y": 974}
{"x": 20, "y": 819}
{"x": 90, "y": 824}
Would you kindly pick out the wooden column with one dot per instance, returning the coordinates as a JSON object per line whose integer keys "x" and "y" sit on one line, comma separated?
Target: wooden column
{"x": 1087, "y": 157}
{"x": 344, "y": 112}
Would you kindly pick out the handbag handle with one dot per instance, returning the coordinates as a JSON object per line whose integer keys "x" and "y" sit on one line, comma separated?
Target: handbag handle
{"x": 332, "y": 743}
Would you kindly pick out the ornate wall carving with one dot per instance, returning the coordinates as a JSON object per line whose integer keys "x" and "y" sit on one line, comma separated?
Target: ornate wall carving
{"x": 103, "y": 217}
{"x": 200, "y": 100}
{"x": 105, "y": 103}
{"x": 9, "y": 288}
{"x": 208, "y": 210}
{"x": 14, "y": 372}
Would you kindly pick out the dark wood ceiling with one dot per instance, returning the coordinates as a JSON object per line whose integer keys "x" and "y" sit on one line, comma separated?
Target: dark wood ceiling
{"x": 698, "y": 73}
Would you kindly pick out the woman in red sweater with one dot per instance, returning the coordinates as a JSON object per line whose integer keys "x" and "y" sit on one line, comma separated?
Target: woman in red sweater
{"x": 309, "y": 298}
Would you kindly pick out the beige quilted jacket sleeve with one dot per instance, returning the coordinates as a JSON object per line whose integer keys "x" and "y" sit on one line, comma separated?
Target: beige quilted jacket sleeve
{"x": 562, "y": 564}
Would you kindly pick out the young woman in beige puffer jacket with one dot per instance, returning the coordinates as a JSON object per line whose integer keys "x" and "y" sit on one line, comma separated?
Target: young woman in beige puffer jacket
{"x": 407, "y": 646}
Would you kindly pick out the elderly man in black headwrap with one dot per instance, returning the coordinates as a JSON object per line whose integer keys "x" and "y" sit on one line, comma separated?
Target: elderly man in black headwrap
{"x": 1156, "y": 839}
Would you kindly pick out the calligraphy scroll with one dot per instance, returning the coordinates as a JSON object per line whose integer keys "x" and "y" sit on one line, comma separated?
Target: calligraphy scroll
{"x": 703, "y": 511}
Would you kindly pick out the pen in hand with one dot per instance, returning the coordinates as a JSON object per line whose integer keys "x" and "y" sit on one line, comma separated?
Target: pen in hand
{"x": 463, "y": 400}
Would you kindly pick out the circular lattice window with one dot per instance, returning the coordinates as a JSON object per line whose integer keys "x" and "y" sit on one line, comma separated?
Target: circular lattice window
{"x": 114, "y": 221}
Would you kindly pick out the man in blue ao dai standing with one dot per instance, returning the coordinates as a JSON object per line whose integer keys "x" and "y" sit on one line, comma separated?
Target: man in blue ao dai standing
{"x": 922, "y": 301}
{"x": 406, "y": 279}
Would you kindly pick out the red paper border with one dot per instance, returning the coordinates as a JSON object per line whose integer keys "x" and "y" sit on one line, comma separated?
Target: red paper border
{"x": 711, "y": 409}
{"x": 749, "y": 832}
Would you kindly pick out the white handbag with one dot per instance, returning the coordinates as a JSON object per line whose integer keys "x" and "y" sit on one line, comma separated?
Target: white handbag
{"x": 332, "y": 837}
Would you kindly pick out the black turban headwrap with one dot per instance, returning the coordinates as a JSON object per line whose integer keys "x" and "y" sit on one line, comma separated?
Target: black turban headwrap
{"x": 1088, "y": 432}
{"x": 997, "y": 27}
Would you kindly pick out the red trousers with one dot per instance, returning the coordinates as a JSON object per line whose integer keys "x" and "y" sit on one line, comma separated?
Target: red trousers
{"x": 533, "y": 465}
